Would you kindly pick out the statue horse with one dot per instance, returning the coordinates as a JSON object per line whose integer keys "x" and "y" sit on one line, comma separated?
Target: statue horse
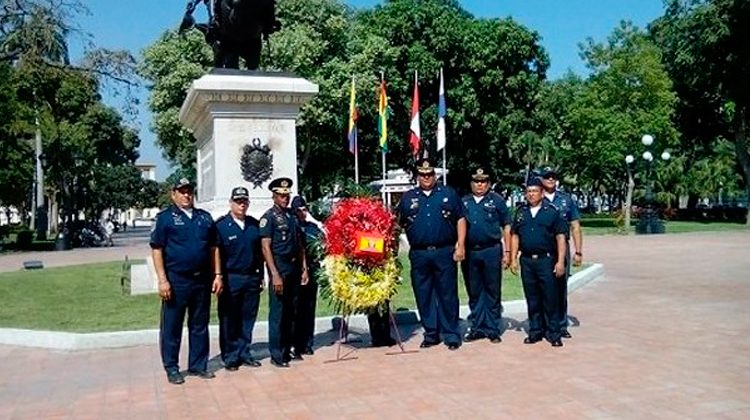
{"x": 235, "y": 28}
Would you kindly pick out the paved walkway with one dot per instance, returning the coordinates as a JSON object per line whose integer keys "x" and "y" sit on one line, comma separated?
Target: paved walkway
{"x": 663, "y": 335}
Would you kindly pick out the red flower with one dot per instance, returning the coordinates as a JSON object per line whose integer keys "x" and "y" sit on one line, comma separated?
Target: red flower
{"x": 353, "y": 215}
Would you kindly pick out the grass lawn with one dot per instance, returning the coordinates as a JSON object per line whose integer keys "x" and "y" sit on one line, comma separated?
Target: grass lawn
{"x": 88, "y": 298}
{"x": 673, "y": 227}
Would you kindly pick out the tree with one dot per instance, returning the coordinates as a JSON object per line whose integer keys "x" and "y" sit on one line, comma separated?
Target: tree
{"x": 628, "y": 94}
{"x": 707, "y": 55}
{"x": 16, "y": 155}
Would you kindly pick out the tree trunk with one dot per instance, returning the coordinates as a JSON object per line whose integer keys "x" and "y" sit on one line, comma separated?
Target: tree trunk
{"x": 743, "y": 157}
{"x": 628, "y": 202}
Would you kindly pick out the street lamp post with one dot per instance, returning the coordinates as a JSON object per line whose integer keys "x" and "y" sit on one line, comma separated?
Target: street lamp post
{"x": 649, "y": 221}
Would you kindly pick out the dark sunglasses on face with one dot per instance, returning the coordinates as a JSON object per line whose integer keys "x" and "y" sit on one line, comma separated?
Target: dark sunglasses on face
{"x": 431, "y": 174}
{"x": 479, "y": 181}
{"x": 241, "y": 201}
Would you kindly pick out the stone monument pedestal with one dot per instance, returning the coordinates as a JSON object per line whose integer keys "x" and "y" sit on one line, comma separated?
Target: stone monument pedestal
{"x": 244, "y": 126}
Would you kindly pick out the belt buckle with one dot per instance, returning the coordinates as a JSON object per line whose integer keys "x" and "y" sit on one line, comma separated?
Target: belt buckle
{"x": 431, "y": 248}
{"x": 534, "y": 256}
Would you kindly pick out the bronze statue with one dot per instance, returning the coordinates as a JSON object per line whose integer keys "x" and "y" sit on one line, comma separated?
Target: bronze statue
{"x": 235, "y": 28}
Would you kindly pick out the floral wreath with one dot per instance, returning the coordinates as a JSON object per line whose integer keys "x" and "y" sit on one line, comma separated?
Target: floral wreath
{"x": 360, "y": 270}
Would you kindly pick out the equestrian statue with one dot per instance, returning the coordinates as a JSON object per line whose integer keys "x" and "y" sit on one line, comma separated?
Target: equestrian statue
{"x": 235, "y": 28}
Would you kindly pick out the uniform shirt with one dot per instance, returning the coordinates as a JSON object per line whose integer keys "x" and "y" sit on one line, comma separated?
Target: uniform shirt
{"x": 430, "y": 220}
{"x": 566, "y": 205}
{"x": 312, "y": 234}
{"x": 282, "y": 227}
{"x": 239, "y": 246}
{"x": 537, "y": 234}
{"x": 185, "y": 241}
{"x": 485, "y": 219}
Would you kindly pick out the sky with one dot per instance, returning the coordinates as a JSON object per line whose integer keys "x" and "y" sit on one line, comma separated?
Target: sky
{"x": 562, "y": 25}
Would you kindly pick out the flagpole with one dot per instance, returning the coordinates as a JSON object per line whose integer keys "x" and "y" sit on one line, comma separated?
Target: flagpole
{"x": 441, "y": 132}
{"x": 353, "y": 119}
{"x": 382, "y": 150}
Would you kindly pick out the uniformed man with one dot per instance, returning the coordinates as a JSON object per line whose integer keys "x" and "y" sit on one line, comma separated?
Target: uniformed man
{"x": 308, "y": 295}
{"x": 238, "y": 239}
{"x": 433, "y": 218}
{"x": 570, "y": 212}
{"x": 538, "y": 233}
{"x": 187, "y": 264}
{"x": 283, "y": 249}
{"x": 488, "y": 225}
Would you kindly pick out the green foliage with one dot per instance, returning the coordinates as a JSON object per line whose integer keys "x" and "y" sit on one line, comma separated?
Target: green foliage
{"x": 627, "y": 95}
{"x": 707, "y": 55}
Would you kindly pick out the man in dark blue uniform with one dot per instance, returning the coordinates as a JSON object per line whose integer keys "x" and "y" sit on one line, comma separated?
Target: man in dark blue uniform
{"x": 570, "y": 212}
{"x": 538, "y": 232}
{"x": 308, "y": 294}
{"x": 433, "y": 218}
{"x": 283, "y": 250}
{"x": 188, "y": 269}
{"x": 238, "y": 239}
{"x": 488, "y": 224}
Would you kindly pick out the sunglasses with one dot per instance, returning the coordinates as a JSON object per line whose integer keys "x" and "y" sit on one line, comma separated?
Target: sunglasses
{"x": 241, "y": 201}
{"x": 479, "y": 181}
{"x": 428, "y": 175}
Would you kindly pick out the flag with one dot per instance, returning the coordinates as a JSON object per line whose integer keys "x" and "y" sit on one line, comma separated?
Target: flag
{"x": 441, "y": 115}
{"x": 353, "y": 115}
{"x": 383, "y": 117}
{"x": 415, "y": 136}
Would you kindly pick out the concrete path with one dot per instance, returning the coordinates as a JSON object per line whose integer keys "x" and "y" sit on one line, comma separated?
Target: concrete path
{"x": 664, "y": 335}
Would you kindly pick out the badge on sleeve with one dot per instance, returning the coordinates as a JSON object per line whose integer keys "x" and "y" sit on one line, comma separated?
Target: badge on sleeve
{"x": 263, "y": 222}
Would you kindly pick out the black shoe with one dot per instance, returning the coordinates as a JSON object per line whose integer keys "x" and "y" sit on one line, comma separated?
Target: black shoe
{"x": 279, "y": 364}
{"x": 453, "y": 346}
{"x": 531, "y": 340}
{"x": 384, "y": 343}
{"x": 473, "y": 336}
{"x": 565, "y": 334}
{"x": 495, "y": 339}
{"x": 251, "y": 362}
{"x": 203, "y": 374}
{"x": 175, "y": 377}
{"x": 427, "y": 344}
{"x": 296, "y": 356}
{"x": 231, "y": 366}
{"x": 557, "y": 343}
{"x": 308, "y": 351}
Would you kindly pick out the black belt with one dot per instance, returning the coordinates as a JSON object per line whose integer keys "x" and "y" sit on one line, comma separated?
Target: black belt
{"x": 483, "y": 246}
{"x": 428, "y": 247}
{"x": 537, "y": 256}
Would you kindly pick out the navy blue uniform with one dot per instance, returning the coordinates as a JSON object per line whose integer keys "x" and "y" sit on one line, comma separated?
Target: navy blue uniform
{"x": 430, "y": 224}
{"x": 186, "y": 243}
{"x": 482, "y": 268}
{"x": 242, "y": 266}
{"x": 308, "y": 295}
{"x": 282, "y": 227}
{"x": 538, "y": 247}
{"x": 568, "y": 208}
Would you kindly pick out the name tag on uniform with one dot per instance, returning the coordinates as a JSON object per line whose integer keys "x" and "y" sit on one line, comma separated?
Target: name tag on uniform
{"x": 177, "y": 219}
{"x": 233, "y": 237}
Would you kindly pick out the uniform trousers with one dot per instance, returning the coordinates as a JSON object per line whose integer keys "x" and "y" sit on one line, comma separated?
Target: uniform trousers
{"x": 482, "y": 270}
{"x": 434, "y": 280}
{"x": 541, "y": 288}
{"x": 307, "y": 301}
{"x": 191, "y": 294}
{"x": 238, "y": 310}
{"x": 563, "y": 291}
{"x": 282, "y": 313}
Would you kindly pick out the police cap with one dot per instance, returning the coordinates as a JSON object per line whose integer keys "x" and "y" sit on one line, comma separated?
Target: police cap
{"x": 182, "y": 183}
{"x": 425, "y": 166}
{"x": 281, "y": 186}
{"x": 547, "y": 172}
{"x": 240, "y": 193}
{"x": 298, "y": 203}
{"x": 534, "y": 181}
{"x": 480, "y": 173}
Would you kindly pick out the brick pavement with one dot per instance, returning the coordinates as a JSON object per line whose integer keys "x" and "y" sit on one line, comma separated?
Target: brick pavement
{"x": 664, "y": 335}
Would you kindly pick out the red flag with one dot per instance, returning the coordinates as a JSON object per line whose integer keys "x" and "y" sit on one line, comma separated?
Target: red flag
{"x": 415, "y": 135}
